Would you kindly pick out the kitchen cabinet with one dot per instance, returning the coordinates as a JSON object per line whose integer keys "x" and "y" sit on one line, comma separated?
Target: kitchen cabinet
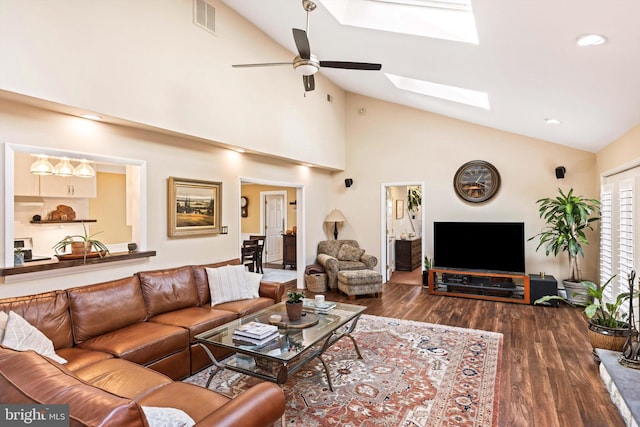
{"x": 68, "y": 186}
{"x": 25, "y": 184}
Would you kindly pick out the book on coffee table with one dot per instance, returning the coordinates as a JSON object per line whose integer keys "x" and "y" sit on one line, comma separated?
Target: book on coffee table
{"x": 255, "y": 330}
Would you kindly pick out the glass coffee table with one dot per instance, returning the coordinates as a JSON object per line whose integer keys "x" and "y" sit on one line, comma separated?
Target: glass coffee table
{"x": 296, "y": 344}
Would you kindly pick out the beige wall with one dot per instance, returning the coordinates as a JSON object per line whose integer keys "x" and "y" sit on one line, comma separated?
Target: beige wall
{"x": 391, "y": 144}
{"x": 146, "y": 62}
{"x": 624, "y": 151}
{"x": 110, "y": 209}
{"x": 165, "y": 156}
{"x": 251, "y": 224}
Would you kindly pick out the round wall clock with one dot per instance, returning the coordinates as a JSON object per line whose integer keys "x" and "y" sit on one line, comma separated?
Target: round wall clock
{"x": 244, "y": 202}
{"x": 476, "y": 181}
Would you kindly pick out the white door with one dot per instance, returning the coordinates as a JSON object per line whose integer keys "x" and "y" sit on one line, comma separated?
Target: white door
{"x": 274, "y": 219}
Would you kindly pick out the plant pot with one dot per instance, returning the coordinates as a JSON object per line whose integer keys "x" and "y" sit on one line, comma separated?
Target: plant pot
{"x": 607, "y": 338}
{"x": 576, "y": 293}
{"x": 425, "y": 277}
{"x": 294, "y": 310}
{"x": 78, "y": 248}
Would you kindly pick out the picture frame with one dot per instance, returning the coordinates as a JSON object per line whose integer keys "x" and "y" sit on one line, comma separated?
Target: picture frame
{"x": 194, "y": 207}
{"x": 399, "y": 209}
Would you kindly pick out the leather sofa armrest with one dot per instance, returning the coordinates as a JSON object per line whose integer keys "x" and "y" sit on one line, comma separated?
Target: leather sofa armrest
{"x": 261, "y": 405}
{"x": 369, "y": 260}
{"x": 273, "y": 290}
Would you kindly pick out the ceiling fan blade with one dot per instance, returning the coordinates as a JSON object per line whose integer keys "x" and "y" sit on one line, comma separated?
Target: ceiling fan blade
{"x": 264, "y": 64}
{"x": 309, "y": 83}
{"x": 302, "y": 43}
{"x": 351, "y": 65}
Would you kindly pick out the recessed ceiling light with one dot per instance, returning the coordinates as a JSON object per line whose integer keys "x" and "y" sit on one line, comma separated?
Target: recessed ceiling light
{"x": 239, "y": 150}
{"x": 591, "y": 40}
{"x": 90, "y": 116}
{"x": 551, "y": 121}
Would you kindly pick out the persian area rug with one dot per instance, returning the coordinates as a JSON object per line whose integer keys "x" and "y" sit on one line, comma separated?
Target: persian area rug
{"x": 411, "y": 374}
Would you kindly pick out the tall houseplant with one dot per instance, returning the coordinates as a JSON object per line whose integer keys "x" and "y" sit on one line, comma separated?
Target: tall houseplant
{"x": 567, "y": 218}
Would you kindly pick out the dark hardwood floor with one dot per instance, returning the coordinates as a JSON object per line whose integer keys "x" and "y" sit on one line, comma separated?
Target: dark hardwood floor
{"x": 548, "y": 377}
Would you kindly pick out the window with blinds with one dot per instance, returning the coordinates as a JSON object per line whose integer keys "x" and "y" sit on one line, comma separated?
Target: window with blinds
{"x": 606, "y": 237}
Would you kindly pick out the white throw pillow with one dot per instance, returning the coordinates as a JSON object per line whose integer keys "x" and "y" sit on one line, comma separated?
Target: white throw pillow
{"x": 167, "y": 417}
{"x": 3, "y": 323}
{"x": 231, "y": 283}
{"x": 21, "y": 335}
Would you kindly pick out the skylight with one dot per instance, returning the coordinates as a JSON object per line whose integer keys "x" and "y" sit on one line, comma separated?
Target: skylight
{"x": 441, "y": 19}
{"x": 450, "y": 93}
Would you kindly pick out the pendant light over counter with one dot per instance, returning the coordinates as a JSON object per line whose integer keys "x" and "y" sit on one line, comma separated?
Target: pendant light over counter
{"x": 42, "y": 166}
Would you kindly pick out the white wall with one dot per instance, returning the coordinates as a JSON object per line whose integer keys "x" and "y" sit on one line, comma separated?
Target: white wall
{"x": 146, "y": 62}
{"x": 392, "y": 143}
{"x": 165, "y": 156}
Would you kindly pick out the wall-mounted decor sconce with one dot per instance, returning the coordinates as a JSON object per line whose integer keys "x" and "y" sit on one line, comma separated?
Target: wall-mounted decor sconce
{"x": 224, "y": 229}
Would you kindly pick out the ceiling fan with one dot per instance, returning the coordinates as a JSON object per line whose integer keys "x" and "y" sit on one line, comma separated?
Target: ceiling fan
{"x": 306, "y": 63}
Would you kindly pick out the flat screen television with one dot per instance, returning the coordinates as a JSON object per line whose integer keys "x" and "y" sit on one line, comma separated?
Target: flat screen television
{"x": 495, "y": 246}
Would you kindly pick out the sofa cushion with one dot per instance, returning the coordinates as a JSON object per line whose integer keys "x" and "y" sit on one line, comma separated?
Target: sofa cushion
{"x": 105, "y": 307}
{"x": 202, "y": 281}
{"x": 27, "y": 377}
{"x": 231, "y": 283}
{"x": 140, "y": 343}
{"x": 49, "y": 312}
{"x": 168, "y": 289}
{"x": 123, "y": 378}
{"x": 77, "y": 357}
{"x": 245, "y": 306}
{"x": 195, "y": 319}
{"x": 20, "y": 335}
{"x": 349, "y": 253}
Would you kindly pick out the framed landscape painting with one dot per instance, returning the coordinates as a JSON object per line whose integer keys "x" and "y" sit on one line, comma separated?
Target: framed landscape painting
{"x": 195, "y": 207}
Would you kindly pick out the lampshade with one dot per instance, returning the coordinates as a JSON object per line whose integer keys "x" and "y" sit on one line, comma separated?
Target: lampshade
{"x": 335, "y": 216}
{"x": 84, "y": 170}
{"x": 64, "y": 168}
{"x": 42, "y": 166}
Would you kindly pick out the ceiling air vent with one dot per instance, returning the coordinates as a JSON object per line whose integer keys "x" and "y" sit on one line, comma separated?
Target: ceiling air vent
{"x": 204, "y": 15}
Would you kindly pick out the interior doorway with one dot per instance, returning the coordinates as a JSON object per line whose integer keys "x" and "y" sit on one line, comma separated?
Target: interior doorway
{"x": 403, "y": 235}
{"x": 273, "y": 217}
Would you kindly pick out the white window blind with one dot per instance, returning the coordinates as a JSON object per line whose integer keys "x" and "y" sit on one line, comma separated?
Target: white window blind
{"x": 606, "y": 236}
{"x": 625, "y": 240}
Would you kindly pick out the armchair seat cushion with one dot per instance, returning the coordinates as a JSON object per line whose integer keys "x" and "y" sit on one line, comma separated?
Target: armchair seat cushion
{"x": 351, "y": 265}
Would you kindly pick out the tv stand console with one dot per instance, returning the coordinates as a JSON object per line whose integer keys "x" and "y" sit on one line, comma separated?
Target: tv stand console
{"x": 480, "y": 284}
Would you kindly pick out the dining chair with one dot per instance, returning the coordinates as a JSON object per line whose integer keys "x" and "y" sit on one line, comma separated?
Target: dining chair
{"x": 250, "y": 254}
{"x": 260, "y": 251}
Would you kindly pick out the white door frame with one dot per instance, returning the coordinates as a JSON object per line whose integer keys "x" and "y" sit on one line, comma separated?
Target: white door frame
{"x": 300, "y": 220}
{"x": 383, "y": 223}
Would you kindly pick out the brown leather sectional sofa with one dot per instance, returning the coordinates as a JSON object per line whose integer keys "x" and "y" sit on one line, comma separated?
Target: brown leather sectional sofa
{"x": 111, "y": 334}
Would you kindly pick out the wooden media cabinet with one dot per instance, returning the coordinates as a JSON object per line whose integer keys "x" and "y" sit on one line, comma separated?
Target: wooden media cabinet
{"x": 480, "y": 284}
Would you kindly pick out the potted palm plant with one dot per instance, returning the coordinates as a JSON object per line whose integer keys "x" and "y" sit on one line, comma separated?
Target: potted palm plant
{"x": 425, "y": 272}
{"x": 294, "y": 305}
{"x": 567, "y": 218}
{"x": 81, "y": 244}
{"x": 608, "y": 327}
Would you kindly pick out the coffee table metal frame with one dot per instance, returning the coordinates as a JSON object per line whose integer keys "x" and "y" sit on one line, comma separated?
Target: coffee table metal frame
{"x": 276, "y": 360}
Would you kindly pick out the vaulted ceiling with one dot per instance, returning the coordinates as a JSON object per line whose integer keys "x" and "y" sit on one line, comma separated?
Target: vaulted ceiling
{"x": 526, "y": 60}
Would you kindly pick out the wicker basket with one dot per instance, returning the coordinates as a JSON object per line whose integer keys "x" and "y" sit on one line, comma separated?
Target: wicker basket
{"x": 316, "y": 282}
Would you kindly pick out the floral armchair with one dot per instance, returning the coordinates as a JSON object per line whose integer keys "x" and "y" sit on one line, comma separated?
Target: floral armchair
{"x": 338, "y": 255}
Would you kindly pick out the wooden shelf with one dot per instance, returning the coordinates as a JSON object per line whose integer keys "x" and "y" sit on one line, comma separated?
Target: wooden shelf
{"x": 55, "y": 264}
{"x": 62, "y": 222}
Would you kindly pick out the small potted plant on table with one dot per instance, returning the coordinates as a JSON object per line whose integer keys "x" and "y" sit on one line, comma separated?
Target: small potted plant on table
{"x": 294, "y": 305}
